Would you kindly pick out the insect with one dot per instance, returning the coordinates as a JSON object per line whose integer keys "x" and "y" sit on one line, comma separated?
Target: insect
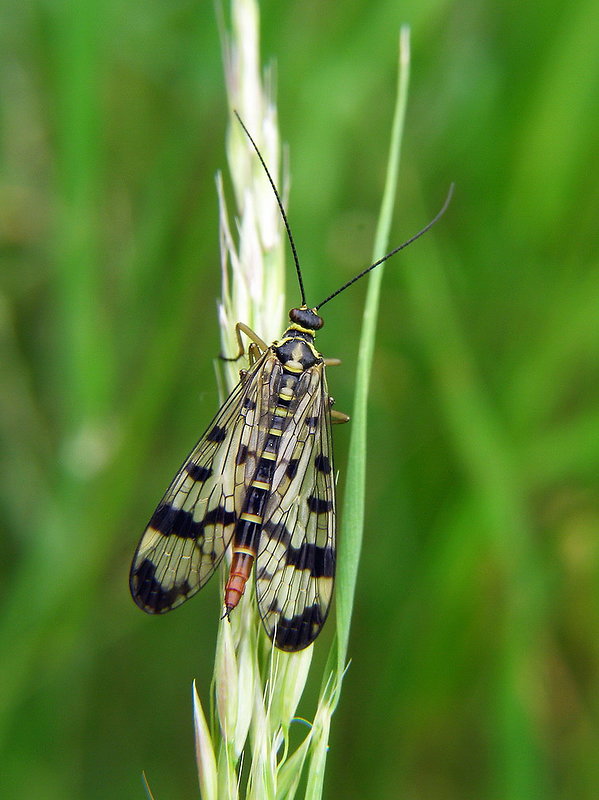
{"x": 260, "y": 481}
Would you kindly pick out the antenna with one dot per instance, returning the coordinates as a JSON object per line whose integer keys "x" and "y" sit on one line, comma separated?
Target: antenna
{"x": 413, "y": 238}
{"x": 282, "y": 210}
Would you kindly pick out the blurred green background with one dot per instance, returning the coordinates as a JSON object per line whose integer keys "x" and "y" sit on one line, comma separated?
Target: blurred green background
{"x": 475, "y": 646}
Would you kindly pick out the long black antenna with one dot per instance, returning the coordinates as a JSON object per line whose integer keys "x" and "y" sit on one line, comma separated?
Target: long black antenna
{"x": 413, "y": 238}
{"x": 282, "y": 210}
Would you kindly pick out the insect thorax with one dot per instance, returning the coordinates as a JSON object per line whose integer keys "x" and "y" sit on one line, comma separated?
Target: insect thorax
{"x": 296, "y": 351}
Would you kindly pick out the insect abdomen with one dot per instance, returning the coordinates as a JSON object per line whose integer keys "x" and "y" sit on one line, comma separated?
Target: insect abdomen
{"x": 246, "y": 538}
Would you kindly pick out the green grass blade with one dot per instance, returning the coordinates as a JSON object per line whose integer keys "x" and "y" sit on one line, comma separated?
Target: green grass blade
{"x": 353, "y": 505}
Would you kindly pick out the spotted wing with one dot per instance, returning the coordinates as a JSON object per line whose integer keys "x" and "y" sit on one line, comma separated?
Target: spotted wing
{"x": 295, "y": 565}
{"x": 192, "y": 526}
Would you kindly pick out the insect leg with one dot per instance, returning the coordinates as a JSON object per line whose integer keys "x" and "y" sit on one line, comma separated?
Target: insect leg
{"x": 338, "y": 417}
{"x": 259, "y": 343}
{"x": 254, "y": 353}
{"x": 332, "y": 362}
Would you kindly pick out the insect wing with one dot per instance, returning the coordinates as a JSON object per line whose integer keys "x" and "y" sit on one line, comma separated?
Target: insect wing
{"x": 192, "y": 526}
{"x": 295, "y": 565}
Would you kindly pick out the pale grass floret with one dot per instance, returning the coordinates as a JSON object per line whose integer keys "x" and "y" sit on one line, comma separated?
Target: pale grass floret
{"x": 257, "y": 688}
{"x": 207, "y": 772}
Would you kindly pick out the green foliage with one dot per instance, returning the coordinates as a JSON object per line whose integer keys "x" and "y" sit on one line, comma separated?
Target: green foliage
{"x": 473, "y": 644}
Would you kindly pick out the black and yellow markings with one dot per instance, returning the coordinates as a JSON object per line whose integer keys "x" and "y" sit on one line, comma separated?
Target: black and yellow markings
{"x": 247, "y": 531}
{"x": 299, "y": 329}
{"x": 277, "y": 422}
{"x": 198, "y": 472}
{"x": 291, "y": 470}
{"x": 322, "y": 464}
{"x": 256, "y": 498}
{"x": 261, "y": 480}
{"x": 319, "y": 561}
{"x": 151, "y": 592}
{"x": 276, "y": 532}
{"x": 217, "y": 434}
{"x": 247, "y": 517}
{"x": 242, "y": 454}
{"x": 208, "y": 509}
{"x": 299, "y": 631}
{"x": 319, "y": 505}
{"x": 294, "y": 367}
{"x": 170, "y": 521}
{"x": 246, "y": 551}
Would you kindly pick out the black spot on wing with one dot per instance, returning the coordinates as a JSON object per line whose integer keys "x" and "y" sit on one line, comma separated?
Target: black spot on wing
{"x": 278, "y": 532}
{"x": 149, "y": 593}
{"x": 271, "y": 532}
{"x": 299, "y": 631}
{"x": 274, "y": 606}
{"x": 197, "y": 472}
{"x": 249, "y": 404}
{"x": 171, "y": 521}
{"x": 319, "y": 505}
{"x": 291, "y": 470}
{"x": 322, "y": 464}
{"x": 220, "y": 516}
{"x": 319, "y": 560}
{"x": 216, "y": 434}
{"x": 242, "y": 454}
{"x": 312, "y": 423}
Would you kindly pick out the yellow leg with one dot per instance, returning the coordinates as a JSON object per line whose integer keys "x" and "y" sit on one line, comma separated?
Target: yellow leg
{"x": 254, "y": 353}
{"x": 258, "y": 344}
{"x": 337, "y": 417}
